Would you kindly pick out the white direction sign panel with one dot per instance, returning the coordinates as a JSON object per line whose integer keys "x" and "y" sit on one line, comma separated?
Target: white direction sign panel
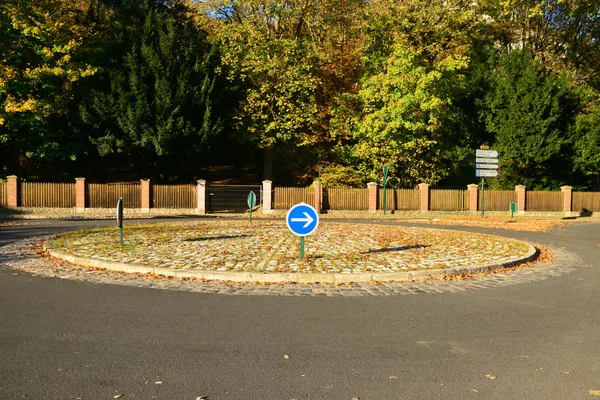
{"x": 486, "y": 173}
{"x": 486, "y": 160}
{"x": 486, "y": 153}
{"x": 302, "y": 219}
{"x": 486, "y": 166}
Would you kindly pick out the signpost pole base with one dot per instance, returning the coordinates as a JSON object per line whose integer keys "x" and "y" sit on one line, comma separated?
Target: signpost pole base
{"x": 302, "y": 247}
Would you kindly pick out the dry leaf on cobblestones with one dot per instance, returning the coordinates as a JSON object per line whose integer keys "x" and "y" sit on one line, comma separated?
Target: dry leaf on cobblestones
{"x": 286, "y": 356}
{"x": 594, "y": 392}
{"x": 492, "y": 377}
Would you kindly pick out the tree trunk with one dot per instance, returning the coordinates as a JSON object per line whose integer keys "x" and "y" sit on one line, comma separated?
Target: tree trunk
{"x": 268, "y": 164}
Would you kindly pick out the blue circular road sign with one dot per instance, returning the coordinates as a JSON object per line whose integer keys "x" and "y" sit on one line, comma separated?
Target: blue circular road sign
{"x": 302, "y": 219}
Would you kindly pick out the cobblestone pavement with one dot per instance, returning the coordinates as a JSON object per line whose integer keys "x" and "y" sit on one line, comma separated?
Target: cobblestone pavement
{"x": 268, "y": 247}
{"x": 27, "y": 257}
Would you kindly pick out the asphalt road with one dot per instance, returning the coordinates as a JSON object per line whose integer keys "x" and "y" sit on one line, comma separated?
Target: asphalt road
{"x": 64, "y": 339}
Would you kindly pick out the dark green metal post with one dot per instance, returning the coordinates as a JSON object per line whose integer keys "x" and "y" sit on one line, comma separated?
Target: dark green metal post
{"x": 385, "y": 172}
{"x": 482, "y": 199}
{"x": 302, "y": 247}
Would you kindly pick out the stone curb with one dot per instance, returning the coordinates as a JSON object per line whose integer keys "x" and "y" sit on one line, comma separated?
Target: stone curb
{"x": 275, "y": 277}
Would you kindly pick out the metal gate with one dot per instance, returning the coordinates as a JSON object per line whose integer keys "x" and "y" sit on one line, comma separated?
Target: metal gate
{"x": 231, "y": 198}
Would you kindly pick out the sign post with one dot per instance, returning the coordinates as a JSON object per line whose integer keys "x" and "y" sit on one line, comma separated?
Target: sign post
{"x": 385, "y": 173}
{"x": 302, "y": 220}
{"x": 251, "y": 202}
{"x": 120, "y": 217}
{"x": 486, "y": 165}
{"x": 513, "y": 208}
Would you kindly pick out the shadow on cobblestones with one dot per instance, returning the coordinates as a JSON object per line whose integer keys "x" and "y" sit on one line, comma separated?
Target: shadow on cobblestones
{"x": 402, "y": 248}
{"x": 202, "y": 239}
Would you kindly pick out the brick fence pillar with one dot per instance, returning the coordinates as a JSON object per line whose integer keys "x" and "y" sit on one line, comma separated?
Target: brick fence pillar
{"x": 201, "y": 208}
{"x": 79, "y": 195}
{"x": 267, "y": 198}
{"x": 145, "y": 195}
{"x": 13, "y": 191}
{"x": 567, "y": 192}
{"x": 424, "y": 196}
{"x": 521, "y": 190}
{"x": 318, "y": 196}
{"x": 473, "y": 196}
{"x": 372, "y": 186}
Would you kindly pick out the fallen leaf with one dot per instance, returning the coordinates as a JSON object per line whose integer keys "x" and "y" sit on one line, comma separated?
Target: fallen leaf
{"x": 566, "y": 372}
{"x": 117, "y": 396}
{"x": 491, "y": 376}
{"x": 594, "y": 392}
{"x": 393, "y": 377}
{"x": 158, "y": 383}
{"x": 475, "y": 390}
{"x": 202, "y": 398}
{"x": 286, "y": 356}
{"x": 355, "y": 398}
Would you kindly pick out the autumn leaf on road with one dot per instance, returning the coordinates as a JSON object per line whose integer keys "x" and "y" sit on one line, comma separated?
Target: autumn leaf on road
{"x": 594, "y": 392}
{"x": 491, "y": 376}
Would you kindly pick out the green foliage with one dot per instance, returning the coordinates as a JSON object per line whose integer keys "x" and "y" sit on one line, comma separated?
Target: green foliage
{"x": 587, "y": 155}
{"x": 162, "y": 88}
{"x": 529, "y": 111}
{"x": 41, "y": 67}
{"x": 404, "y": 110}
{"x": 336, "y": 175}
{"x": 159, "y": 111}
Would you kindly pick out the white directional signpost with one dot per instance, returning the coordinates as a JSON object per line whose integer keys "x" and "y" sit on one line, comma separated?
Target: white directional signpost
{"x": 486, "y": 166}
{"x": 302, "y": 220}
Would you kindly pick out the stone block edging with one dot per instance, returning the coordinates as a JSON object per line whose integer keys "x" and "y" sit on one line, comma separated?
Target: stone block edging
{"x": 278, "y": 277}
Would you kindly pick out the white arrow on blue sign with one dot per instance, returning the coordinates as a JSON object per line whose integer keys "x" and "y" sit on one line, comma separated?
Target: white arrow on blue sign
{"x": 302, "y": 219}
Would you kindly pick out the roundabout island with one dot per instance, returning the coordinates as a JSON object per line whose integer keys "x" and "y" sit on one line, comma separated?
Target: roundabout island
{"x": 265, "y": 251}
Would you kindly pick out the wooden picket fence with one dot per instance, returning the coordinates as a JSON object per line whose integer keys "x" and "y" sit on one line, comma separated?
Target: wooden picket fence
{"x": 543, "y": 201}
{"x": 63, "y": 195}
{"x": 586, "y": 202}
{"x": 345, "y": 199}
{"x": 286, "y": 197}
{"x": 448, "y": 200}
{"x": 497, "y": 200}
{"x": 51, "y": 195}
{"x": 3, "y": 194}
{"x": 107, "y": 195}
{"x": 399, "y": 199}
{"x": 174, "y": 196}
